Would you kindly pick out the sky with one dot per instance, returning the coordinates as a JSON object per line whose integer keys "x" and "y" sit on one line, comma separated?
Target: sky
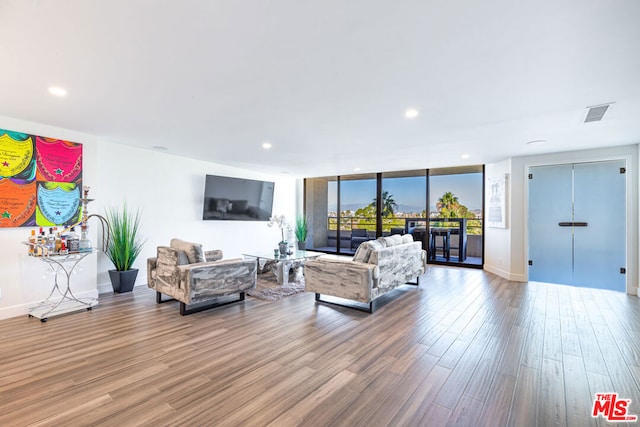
{"x": 410, "y": 191}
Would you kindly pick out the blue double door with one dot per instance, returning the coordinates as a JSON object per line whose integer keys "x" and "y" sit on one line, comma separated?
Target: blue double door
{"x": 577, "y": 224}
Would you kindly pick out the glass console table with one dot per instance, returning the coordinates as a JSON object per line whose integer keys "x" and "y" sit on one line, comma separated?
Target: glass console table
{"x": 62, "y": 267}
{"x": 282, "y": 265}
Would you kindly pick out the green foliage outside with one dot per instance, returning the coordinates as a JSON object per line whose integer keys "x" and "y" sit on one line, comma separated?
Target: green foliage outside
{"x": 365, "y": 218}
{"x": 389, "y": 205}
{"x": 450, "y": 207}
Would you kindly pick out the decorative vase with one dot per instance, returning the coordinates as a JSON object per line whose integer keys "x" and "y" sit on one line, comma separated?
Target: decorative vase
{"x": 302, "y": 246}
{"x": 123, "y": 281}
{"x": 282, "y": 246}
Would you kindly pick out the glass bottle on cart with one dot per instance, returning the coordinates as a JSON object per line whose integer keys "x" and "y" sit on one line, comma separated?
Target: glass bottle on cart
{"x": 85, "y": 243}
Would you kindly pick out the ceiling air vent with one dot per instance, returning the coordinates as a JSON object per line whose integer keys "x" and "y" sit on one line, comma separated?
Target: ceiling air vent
{"x": 596, "y": 112}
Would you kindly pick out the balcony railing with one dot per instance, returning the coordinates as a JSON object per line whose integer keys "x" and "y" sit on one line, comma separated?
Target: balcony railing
{"x": 407, "y": 225}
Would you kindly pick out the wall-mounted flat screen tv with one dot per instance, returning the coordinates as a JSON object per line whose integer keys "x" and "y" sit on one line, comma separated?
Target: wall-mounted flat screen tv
{"x": 237, "y": 199}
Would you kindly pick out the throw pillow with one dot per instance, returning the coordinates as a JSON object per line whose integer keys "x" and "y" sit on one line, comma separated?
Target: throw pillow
{"x": 394, "y": 240}
{"x": 407, "y": 238}
{"x": 213, "y": 255}
{"x": 362, "y": 253}
{"x": 382, "y": 241}
{"x": 375, "y": 247}
{"x": 192, "y": 250}
{"x": 182, "y": 257}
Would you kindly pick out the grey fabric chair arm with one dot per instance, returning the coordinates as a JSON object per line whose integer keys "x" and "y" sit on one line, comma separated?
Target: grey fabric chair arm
{"x": 341, "y": 278}
{"x": 207, "y": 280}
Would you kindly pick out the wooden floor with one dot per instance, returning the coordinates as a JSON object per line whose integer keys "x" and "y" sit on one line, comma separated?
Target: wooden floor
{"x": 465, "y": 348}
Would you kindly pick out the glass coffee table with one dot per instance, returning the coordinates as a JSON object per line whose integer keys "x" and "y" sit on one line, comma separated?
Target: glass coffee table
{"x": 282, "y": 265}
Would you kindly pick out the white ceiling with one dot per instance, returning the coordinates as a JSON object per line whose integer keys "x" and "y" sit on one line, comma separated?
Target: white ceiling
{"x": 327, "y": 82}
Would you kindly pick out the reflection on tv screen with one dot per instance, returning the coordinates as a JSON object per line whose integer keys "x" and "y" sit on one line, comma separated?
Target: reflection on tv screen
{"x": 239, "y": 199}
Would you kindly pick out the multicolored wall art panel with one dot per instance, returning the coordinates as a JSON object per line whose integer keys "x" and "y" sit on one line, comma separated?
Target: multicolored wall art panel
{"x": 40, "y": 180}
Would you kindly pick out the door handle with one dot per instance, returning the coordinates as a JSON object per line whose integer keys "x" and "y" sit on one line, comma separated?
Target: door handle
{"x": 573, "y": 224}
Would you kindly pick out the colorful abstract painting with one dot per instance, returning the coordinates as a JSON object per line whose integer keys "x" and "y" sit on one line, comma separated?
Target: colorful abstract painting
{"x": 40, "y": 180}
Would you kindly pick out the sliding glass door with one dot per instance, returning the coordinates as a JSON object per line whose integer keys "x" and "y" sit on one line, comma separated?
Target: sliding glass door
{"x": 404, "y": 204}
{"x": 456, "y": 215}
{"x": 341, "y": 212}
{"x": 357, "y": 219}
{"x": 321, "y": 208}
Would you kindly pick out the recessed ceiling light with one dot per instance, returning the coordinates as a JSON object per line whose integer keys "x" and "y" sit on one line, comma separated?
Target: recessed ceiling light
{"x": 465, "y": 156}
{"x": 537, "y": 141}
{"x": 266, "y": 145}
{"x": 57, "y": 91}
{"x": 356, "y": 169}
{"x": 411, "y": 113}
{"x": 159, "y": 148}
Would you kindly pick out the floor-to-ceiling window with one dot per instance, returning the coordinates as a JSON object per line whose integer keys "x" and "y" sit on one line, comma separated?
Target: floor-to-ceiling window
{"x": 321, "y": 208}
{"x": 357, "y": 219}
{"x": 443, "y": 208}
{"x": 404, "y": 203}
{"x": 341, "y": 212}
{"x": 455, "y": 217}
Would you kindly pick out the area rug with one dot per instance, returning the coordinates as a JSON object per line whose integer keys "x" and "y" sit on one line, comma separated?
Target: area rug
{"x": 268, "y": 289}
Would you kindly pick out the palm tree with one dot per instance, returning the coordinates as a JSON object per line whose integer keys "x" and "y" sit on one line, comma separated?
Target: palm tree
{"x": 447, "y": 204}
{"x": 389, "y": 205}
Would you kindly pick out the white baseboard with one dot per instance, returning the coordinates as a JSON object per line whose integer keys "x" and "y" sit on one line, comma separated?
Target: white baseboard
{"x": 14, "y": 311}
{"x": 23, "y": 309}
{"x": 106, "y": 288}
{"x": 504, "y": 274}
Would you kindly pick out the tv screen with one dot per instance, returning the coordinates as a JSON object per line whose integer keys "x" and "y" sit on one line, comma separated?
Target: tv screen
{"x": 238, "y": 199}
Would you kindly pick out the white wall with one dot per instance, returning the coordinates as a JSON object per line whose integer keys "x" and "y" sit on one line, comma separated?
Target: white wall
{"x": 497, "y": 241}
{"x": 516, "y": 234}
{"x": 168, "y": 189}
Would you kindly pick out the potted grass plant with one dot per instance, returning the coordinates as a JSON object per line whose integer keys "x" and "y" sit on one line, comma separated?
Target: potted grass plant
{"x": 123, "y": 247}
{"x": 301, "y": 232}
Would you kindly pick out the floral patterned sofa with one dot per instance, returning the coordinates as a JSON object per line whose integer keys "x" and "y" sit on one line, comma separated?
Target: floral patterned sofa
{"x": 377, "y": 267}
